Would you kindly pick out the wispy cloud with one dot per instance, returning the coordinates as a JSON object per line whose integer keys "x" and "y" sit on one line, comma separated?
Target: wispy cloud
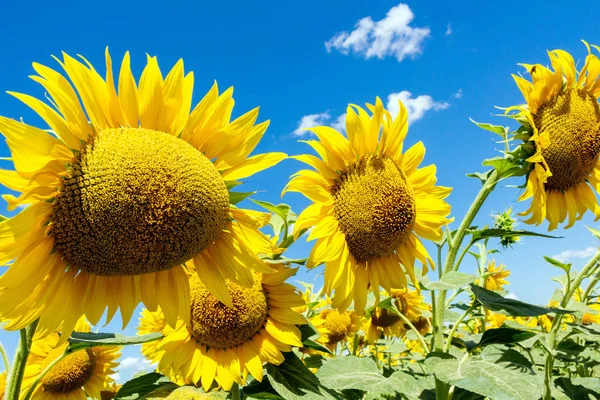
{"x": 310, "y": 121}
{"x": 568, "y": 255}
{"x": 390, "y": 36}
{"x": 448, "y": 30}
{"x": 417, "y": 108}
{"x": 130, "y": 366}
{"x": 458, "y": 94}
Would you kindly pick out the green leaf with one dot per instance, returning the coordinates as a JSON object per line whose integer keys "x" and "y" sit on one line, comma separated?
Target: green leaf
{"x": 141, "y": 386}
{"x": 284, "y": 260}
{"x": 504, "y": 336}
{"x": 579, "y": 388}
{"x": 293, "y": 381}
{"x": 487, "y": 379}
{"x": 281, "y": 219}
{"x": 481, "y": 234}
{"x": 236, "y": 197}
{"x": 506, "y": 167}
{"x": 502, "y": 131}
{"x": 231, "y": 184}
{"x": 507, "y": 357}
{"x": 594, "y": 231}
{"x": 495, "y": 302}
{"x": 84, "y": 340}
{"x": 356, "y": 373}
{"x": 556, "y": 263}
{"x": 452, "y": 280}
{"x": 482, "y": 176}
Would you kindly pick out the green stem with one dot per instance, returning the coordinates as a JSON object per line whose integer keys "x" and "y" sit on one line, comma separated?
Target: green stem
{"x": 5, "y": 359}
{"x": 590, "y": 287}
{"x": 416, "y": 331}
{"x": 454, "y": 294}
{"x": 462, "y": 255}
{"x": 454, "y": 246}
{"x": 41, "y": 376}
{"x": 455, "y": 326}
{"x": 549, "y": 365}
{"x": 13, "y": 387}
{"x": 235, "y": 392}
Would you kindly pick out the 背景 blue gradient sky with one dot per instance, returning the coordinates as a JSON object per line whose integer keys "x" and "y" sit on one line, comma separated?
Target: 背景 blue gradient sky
{"x": 450, "y": 61}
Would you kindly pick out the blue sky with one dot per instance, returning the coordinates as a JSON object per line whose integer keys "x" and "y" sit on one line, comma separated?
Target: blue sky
{"x": 305, "y": 61}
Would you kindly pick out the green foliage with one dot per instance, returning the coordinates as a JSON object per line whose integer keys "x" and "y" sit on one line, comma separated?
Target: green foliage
{"x": 142, "y": 386}
{"x": 451, "y": 280}
{"x": 512, "y": 307}
{"x": 83, "y": 340}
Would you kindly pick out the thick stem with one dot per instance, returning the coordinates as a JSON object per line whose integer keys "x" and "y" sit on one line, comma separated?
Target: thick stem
{"x": 549, "y": 365}
{"x": 235, "y": 392}
{"x": 453, "y": 248}
{"x": 13, "y": 387}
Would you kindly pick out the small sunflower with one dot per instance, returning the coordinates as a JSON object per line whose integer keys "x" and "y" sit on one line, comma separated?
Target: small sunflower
{"x": 495, "y": 276}
{"x": 225, "y": 344}
{"x": 495, "y": 320}
{"x": 126, "y": 188}
{"x": 335, "y": 326}
{"x": 563, "y": 119}
{"x": 587, "y": 319}
{"x": 85, "y": 372}
{"x": 386, "y": 322}
{"x": 371, "y": 205}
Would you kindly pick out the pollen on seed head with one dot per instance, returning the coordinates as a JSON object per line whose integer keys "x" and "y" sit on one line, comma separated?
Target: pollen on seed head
{"x": 70, "y": 373}
{"x": 137, "y": 201}
{"x": 572, "y": 121}
{"x": 375, "y": 207}
{"x": 216, "y": 325}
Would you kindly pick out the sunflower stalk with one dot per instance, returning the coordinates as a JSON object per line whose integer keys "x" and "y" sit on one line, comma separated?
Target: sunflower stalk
{"x": 556, "y": 323}
{"x": 5, "y": 359}
{"x": 453, "y": 248}
{"x": 416, "y": 332}
{"x": 457, "y": 324}
{"x": 15, "y": 377}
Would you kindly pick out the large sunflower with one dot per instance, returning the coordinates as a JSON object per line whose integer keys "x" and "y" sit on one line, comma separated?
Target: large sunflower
{"x": 371, "y": 204}
{"x": 127, "y": 188}
{"x": 564, "y": 119}
{"x": 226, "y": 344}
{"x": 83, "y": 372}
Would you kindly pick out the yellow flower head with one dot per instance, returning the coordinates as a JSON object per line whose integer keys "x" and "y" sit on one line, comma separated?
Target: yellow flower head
{"x": 592, "y": 318}
{"x": 371, "y": 204}
{"x": 495, "y": 320}
{"x": 226, "y": 344}
{"x": 562, "y": 110}
{"x": 128, "y": 185}
{"x": 495, "y": 279}
{"x": 335, "y": 326}
{"x": 82, "y": 372}
{"x": 386, "y": 322}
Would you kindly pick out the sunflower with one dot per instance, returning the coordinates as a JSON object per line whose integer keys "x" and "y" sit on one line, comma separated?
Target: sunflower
{"x": 2, "y": 384}
{"x": 125, "y": 189}
{"x": 586, "y": 319}
{"x": 371, "y": 203}
{"x": 225, "y": 344}
{"x": 495, "y": 276}
{"x": 386, "y": 322}
{"x": 82, "y": 372}
{"x": 495, "y": 320}
{"x": 335, "y": 326}
{"x": 563, "y": 121}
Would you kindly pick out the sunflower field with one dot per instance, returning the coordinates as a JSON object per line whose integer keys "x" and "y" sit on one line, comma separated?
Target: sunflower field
{"x": 128, "y": 205}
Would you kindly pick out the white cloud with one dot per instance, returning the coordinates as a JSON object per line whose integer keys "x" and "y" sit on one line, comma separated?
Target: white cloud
{"x": 390, "y": 36}
{"x": 117, "y": 377}
{"x": 129, "y": 362}
{"x": 310, "y": 121}
{"x": 340, "y": 123}
{"x": 448, "y": 30}
{"x": 567, "y": 255}
{"x": 416, "y": 106}
{"x": 511, "y": 295}
{"x": 458, "y": 94}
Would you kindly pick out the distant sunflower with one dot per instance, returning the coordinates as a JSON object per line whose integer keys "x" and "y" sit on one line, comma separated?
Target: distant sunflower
{"x": 335, "y": 326}
{"x": 125, "y": 189}
{"x": 496, "y": 276}
{"x": 226, "y": 344}
{"x": 85, "y": 372}
{"x": 386, "y": 322}
{"x": 371, "y": 204}
{"x": 564, "y": 119}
